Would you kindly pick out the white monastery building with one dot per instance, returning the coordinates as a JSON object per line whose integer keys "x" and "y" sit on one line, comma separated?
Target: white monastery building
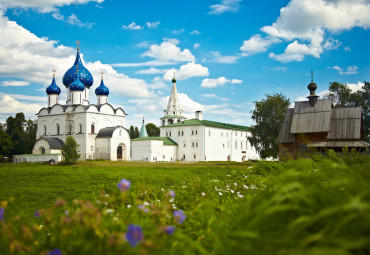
{"x": 99, "y": 129}
{"x": 194, "y": 139}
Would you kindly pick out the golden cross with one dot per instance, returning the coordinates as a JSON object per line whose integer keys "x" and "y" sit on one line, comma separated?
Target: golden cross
{"x": 102, "y": 73}
{"x": 174, "y": 74}
{"x": 78, "y": 44}
{"x": 54, "y": 71}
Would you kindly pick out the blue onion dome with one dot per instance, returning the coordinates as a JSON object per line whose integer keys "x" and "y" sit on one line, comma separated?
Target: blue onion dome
{"x": 77, "y": 85}
{"x": 53, "y": 88}
{"x": 83, "y": 74}
{"x": 102, "y": 90}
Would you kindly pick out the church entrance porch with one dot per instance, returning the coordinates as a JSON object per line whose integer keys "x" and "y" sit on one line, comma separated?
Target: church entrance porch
{"x": 121, "y": 152}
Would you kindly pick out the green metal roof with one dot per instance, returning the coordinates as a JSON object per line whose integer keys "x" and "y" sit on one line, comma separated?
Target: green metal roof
{"x": 173, "y": 116}
{"x": 166, "y": 140}
{"x": 208, "y": 123}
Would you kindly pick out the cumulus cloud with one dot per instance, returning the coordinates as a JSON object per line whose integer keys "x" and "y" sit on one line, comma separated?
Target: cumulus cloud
{"x": 171, "y": 40}
{"x": 14, "y": 83}
{"x": 218, "y": 58}
{"x": 179, "y": 31}
{"x": 196, "y": 45}
{"x": 356, "y": 86}
{"x": 257, "y": 44}
{"x": 306, "y": 22}
{"x": 168, "y": 51}
{"x": 225, "y": 6}
{"x": 132, "y": 26}
{"x": 73, "y": 20}
{"x": 211, "y": 83}
{"x": 151, "y": 70}
{"x": 187, "y": 71}
{"x": 10, "y": 106}
{"x": 350, "y": 70}
{"x": 42, "y": 5}
{"x": 153, "y": 24}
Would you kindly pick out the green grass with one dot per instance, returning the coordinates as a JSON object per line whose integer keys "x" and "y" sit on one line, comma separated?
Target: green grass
{"x": 297, "y": 207}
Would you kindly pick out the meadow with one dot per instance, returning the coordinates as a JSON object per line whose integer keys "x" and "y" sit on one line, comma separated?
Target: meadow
{"x": 318, "y": 206}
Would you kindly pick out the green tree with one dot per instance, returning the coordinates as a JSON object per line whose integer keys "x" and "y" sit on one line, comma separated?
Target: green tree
{"x": 343, "y": 96}
{"x": 6, "y": 144}
{"x": 136, "y": 133}
{"x": 132, "y": 132}
{"x": 15, "y": 128}
{"x": 268, "y": 115}
{"x": 69, "y": 150}
{"x": 30, "y": 135}
{"x": 152, "y": 129}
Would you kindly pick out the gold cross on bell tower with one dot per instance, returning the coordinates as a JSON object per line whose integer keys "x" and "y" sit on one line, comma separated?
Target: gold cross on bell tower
{"x": 102, "y": 73}
{"x": 78, "y": 44}
{"x": 54, "y": 71}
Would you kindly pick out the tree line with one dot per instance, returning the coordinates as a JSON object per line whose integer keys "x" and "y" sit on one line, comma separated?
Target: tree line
{"x": 151, "y": 129}
{"x": 269, "y": 114}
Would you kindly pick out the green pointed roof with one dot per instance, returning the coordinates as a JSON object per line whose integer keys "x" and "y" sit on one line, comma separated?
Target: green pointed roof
{"x": 143, "y": 132}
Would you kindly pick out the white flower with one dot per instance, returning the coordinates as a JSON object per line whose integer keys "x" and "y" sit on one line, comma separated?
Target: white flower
{"x": 220, "y": 193}
{"x": 253, "y": 187}
{"x": 245, "y": 186}
{"x": 235, "y": 184}
{"x": 203, "y": 194}
{"x": 232, "y": 191}
{"x": 146, "y": 203}
{"x": 162, "y": 189}
{"x": 106, "y": 195}
{"x": 108, "y": 211}
{"x": 128, "y": 206}
{"x": 172, "y": 199}
{"x": 240, "y": 195}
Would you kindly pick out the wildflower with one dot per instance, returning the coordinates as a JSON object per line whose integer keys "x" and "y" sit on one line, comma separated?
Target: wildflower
{"x": 240, "y": 195}
{"x": 171, "y": 193}
{"x": 146, "y": 203}
{"x": 171, "y": 200}
{"x": 143, "y": 208}
{"x": 60, "y": 202}
{"x": 124, "y": 184}
{"x": 128, "y": 206}
{"x": 134, "y": 234}
{"x": 37, "y": 214}
{"x": 170, "y": 229}
{"x": 220, "y": 193}
{"x": 203, "y": 194}
{"x": 66, "y": 212}
{"x": 56, "y": 251}
{"x": 4, "y": 204}
{"x": 245, "y": 186}
{"x": 2, "y": 210}
{"x": 235, "y": 184}
{"x": 108, "y": 211}
{"x": 179, "y": 216}
{"x": 232, "y": 191}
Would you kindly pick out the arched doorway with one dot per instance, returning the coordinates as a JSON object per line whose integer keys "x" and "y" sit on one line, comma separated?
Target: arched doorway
{"x": 121, "y": 152}
{"x": 42, "y": 150}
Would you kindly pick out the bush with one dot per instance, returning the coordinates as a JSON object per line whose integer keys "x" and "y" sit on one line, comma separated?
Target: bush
{"x": 69, "y": 151}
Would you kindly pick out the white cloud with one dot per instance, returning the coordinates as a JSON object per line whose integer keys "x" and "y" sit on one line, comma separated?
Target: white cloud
{"x": 196, "y": 45}
{"x": 43, "y": 5}
{"x": 277, "y": 68}
{"x": 168, "y": 51}
{"x": 147, "y": 63}
{"x": 347, "y": 48}
{"x": 218, "y": 58}
{"x": 305, "y": 21}
{"x": 356, "y": 86}
{"x": 171, "y": 40}
{"x": 187, "y": 71}
{"x": 215, "y": 97}
{"x": 350, "y": 70}
{"x": 153, "y": 24}
{"x": 257, "y": 44}
{"x": 15, "y": 83}
{"x": 211, "y": 83}
{"x": 179, "y": 31}
{"x": 151, "y": 70}
{"x": 225, "y": 6}
{"x": 10, "y": 106}
{"x": 73, "y": 20}
{"x": 195, "y": 32}
{"x": 132, "y": 26}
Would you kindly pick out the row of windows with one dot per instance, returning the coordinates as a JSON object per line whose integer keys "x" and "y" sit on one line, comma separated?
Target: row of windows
{"x": 70, "y": 129}
{"x": 236, "y": 145}
{"x": 195, "y": 132}
{"x": 192, "y": 144}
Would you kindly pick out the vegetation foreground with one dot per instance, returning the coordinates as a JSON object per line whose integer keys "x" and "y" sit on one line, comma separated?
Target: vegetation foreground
{"x": 316, "y": 206}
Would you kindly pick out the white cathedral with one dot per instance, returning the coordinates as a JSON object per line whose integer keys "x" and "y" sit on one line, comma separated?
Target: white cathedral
{"x": 99, "y": 129}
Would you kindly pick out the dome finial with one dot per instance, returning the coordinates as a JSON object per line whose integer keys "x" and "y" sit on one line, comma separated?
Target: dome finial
{"x": 102, "y": 73}
{"x": 54, "y": 71}
{"x": 143, "y": 119}
{"x": 174, "y": 77}
{"x": 311, "y": 75}
{"x": 78, "y": 44}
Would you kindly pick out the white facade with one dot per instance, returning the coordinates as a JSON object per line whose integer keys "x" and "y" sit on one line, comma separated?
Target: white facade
{"x": 152, "y": 151}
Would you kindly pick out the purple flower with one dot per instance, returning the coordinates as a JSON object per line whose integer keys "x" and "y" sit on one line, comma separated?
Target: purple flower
{"x": 143, "y": 208}
{"x": 179, "y": 216}
{"x": 124, "y": 184}
{"x": 2, "y": 210}
{"x": 56, "y": 251}
{"x": 37, "y": 214}
{"x": 134, "y": 234}
{"x": 171, "y": 193}
{"x": 170, "y": 229}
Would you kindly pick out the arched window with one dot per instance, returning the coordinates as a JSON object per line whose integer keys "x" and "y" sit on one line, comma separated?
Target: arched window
{"x": 70, "y": 128}
{"x": 170, "y": 121}
{"x": 120, "y": 132}
{"x": 45, "y": 130}
{"x": 58, "y": 129}
{"x": 93, "y": 128}
{"x": 80, "y": 128}
{"x": 163, "y": 122}
{"x": 42, "y": 150}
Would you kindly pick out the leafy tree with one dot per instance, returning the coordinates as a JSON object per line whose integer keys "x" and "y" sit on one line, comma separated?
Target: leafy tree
{"x": 6, "y": 144}
{"x": 152, "y": 129}
{"x": 268, "y": 115}
{"x": 69, "y": 150}
{"x": 343, "y": 96}
{"x": 136, "y": 133}
{"x": 30, "y": 135}
{"x": 15, "y": 129}
{"x": 132, "y": 132}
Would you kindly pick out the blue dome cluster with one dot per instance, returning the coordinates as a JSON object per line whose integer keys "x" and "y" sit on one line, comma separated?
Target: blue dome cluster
{"x": 78, "y": 70}
{"x": 77, "y": 85}
{"x": 53, "y": 88}
{"x": 102, "y": 90}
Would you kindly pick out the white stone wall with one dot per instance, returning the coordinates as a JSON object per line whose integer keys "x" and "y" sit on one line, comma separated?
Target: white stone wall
{"x": 152, "y": 150}
{"x": 30, "y": 158}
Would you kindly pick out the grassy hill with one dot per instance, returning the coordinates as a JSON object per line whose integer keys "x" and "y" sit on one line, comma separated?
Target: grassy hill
{"x": 298, "y": 207}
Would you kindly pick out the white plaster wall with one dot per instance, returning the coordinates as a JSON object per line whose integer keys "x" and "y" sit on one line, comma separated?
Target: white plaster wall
{"x": 29, "y": 158}
{"x": 152, "y": 150}
{"x": 38, "y": 145}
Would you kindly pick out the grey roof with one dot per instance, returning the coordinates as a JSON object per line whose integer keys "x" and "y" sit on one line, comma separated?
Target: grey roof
{"x": 54, "y": 143}
{"x": 284, "y": 135}
{"x": 107, "y": 132}
{"x": 345, "y": 123}
{"x": 308, "y": 119}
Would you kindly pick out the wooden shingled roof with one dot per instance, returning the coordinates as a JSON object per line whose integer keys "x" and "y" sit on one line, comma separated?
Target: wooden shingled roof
{"x": 345, "y": 124}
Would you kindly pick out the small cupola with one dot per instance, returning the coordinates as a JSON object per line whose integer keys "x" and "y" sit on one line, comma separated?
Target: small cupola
{"x": 102, "y": 92}
{"x": 53, "y": 92}
{"x": 143, "y": 132}
{"x": 312, "y": 98}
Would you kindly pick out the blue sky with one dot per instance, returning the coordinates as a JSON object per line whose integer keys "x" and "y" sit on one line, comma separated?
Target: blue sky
{"x": 226, "y": 53}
